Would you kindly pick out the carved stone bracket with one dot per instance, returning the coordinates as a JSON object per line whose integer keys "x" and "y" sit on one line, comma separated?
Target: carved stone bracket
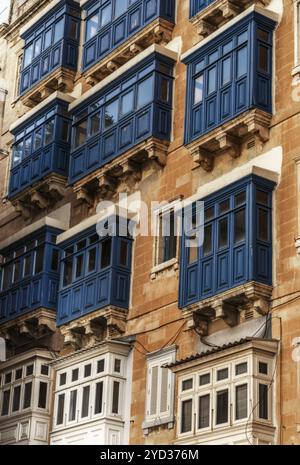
{"x": 229, "y": 305}
{"x": 229, "y": 138}
{"x": 104, "y": 324}
{"x": 158, "y": 32}
{"x": 61, "y": 79}
{"x": 40, "y": 195}
{"x": 219, "y": 12}
{"x": 122, "y": 174}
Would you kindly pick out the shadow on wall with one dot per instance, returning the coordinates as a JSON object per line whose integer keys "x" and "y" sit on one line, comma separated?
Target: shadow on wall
{"x": 2, "y": 350}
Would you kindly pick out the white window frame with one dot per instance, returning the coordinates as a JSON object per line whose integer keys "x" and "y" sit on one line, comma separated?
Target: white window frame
{"x": 161, "y": 358}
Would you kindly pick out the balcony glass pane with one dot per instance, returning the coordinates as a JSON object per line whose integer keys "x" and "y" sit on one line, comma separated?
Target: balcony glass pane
{"x": 92, "y": 27}
{"x": 80, "y": 133}
{"x": 106, "y": 14}
{"x": 241, "y": 402}
{"x": 59, "y": 30}
{"x": 145, "y": 92}
{"x": 28, "y": 55}
{"x": 49, "y": 132}
{"x": 222, "y": 407}
{"x": 186, "y": 416}
{"x": 38, "y": 139}
{"x": 199, "y": 90}
{"x": 111, "y": 114}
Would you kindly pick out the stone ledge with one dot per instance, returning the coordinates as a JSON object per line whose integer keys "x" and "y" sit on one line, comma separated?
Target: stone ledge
{"x": 251, "y": 297}
{"x": 124, "y": 172}
{"x": 158, "y": 32}
{"x": 98, "y": 326}
{"x": 61, "y": 80}
{"x": 220, "y": 12}
{"x": 230, "y": 137}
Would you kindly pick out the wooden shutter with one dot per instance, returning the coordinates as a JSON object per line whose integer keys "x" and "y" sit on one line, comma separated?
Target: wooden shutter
{"x": 164, "y": 393}
{"x": 153, "y": 390}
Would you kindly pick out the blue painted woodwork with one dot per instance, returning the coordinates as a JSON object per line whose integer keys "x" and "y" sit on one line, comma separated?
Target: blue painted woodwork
{"x": 229, "y": 75}
{"x": 51, "y": 43}
{"x": 134, "y": 107}
{"x": 41, "y": 147}
{"x": 95, "y": 272}
{"x": 237, "y": 245}
{"x": 198, "y": 5}
{"x": 29, "y": 274}
{"x": 109, "y": 23}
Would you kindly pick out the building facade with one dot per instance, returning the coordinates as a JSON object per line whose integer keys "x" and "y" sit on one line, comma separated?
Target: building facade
{"x": 172, "y": 318}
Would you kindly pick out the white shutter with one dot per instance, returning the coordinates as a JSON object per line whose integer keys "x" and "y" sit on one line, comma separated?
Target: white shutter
{"x": 154, "y": 390}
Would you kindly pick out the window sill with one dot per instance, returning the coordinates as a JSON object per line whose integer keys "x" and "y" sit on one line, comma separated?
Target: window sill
{"x": 147, "y": 425}
{"x": 169, "y": 265}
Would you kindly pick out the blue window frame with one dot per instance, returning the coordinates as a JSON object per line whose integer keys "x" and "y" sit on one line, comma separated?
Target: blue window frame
{"x": 133, "y": 108}
{"x": 109, "y": 23}
{"x": 41, "y": 147}
{"x": 51, "y": 43}
{"x": 237, "y": 246}
{"x": 230, "y": 75}
{"x": 95, "y": 272}
{"x": 29, "y": 275}
{"x": 198, "y": 5}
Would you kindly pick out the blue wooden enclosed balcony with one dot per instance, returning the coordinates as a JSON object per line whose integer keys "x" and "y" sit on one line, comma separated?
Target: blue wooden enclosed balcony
{"x": 50, "y": 52}
{"x": 29, "y": 282}
{"x": 40, "y": 158}
{"x": 208, "y": 15}
{"x": 95, "y": 276}
{"x": 226, "y": 259}
{"x": 122, "y": 122}
{"x": 117, "y": 30}
{"x": 229, "y": 89}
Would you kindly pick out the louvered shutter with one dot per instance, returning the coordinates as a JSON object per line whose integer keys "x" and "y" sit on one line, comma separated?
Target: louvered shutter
{"x": 153, "y": 390}
{"x": 164, "y": 393}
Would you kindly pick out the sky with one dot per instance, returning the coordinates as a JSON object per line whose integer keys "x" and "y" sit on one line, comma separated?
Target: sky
{"x": 4, "y": 8}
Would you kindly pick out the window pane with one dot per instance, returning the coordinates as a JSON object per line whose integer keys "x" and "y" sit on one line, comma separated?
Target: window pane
{"x": 85, "y": 402}
{"x": 64, "y": 132}
{"x": 199, "y": 89}
{"x": 39, "y": 259}
{"x": 168, "y": 237}
{"x": 240, "y": 226}
{"x": 263, "y": 223}
{"x": 204, "y": 411}
{"x": 18, "y": 153}
{"x": 106, "y": 253}
{"x": 99, "y": 398}
{"x": 8, "y": 378}
{"x": 207, "y": 245}
{"x": 204, "y": 379}
{"x": 111, "y": 114}
{"x": 16, "y": 273}
{"x": 263, "y": 368}
{"x": 5, "y": 403}
{"x": 49, "y": 132}
{"x": 95, "y": 124}
{"x": 240, "y": 199}
{"x": 222, "y": 407}
{"x": 226, "y": 71}
{"x": 106, "y": 15}
{"x": 241, "y": 402}
{"x": 263, "y": 402}
{"x": 37, "y": 47}
{"x": 62, "y": 379}
{"x": 92, "y": 26}
{"x": 127, "y": 102}
{"x": 29, "y": 370}
{"x": 80, "y": 133}
{"x": 87, "y": 370}
{"x": 212, "y": 80}
{"x": 59, "y": 30}
{"x": 72, "y": 406}
{"x": 145, "y": 92}
{"x": 16, "y": 399}
{"x": 100, "y": 366}
{"x": 187, "y": 385}
{"x": 242, "y": 62}
{"x": 27, "y": 395}
{"x": 115, "y": 399}
{"x": 45, "y": 370}
{"x": 120, "y": 7}
{"x": 68, "y": 269}
{"x": 223, "y": 233}
{"x": 19, "y": 373}
{"x": 43, "y": 395}
{"x": 92, "y": 254}
{"x": 75, "y": 375}
{"x": 263, "y": 58}
{"x": 154, "y": 390}
{"x": 28, "y": 54}
{"x": 37, "y": 140}
{"x": 60, "y": 409}
{"x": 117, "y": 367}
{"x": 241, "y": 368}
{"x": 48, "y": 37}
{"x": 186, "y": 416}
{"x": 27, "y": 147}
{"x": 222, "y": 374}
{"x": 262, "y": 197}
{"x": 79, "y": 266}
{"x": 164, "y": 90}
{"x": 55, "y": 260}
{"x": 123, "y": 253}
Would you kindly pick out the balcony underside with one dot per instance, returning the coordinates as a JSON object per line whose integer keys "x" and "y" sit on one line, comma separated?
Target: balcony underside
{"x": 253, "y": 299}
{"x": 219, "y": 12}
{"x": 251, "y": 126}
{"x": 107, "y": 323}
{"x": 40, "y": 196}
{"x": 29, "y": 327}
{"x": 122, "y": 173}
{"x": 61, "y": 80}
{"x": 158, "y": 32}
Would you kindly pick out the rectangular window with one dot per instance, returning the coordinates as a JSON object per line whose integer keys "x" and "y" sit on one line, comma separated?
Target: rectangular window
{"x": 106, "y": 253}
{"x": 59, "y": 30}
{"x": 186, "y": 416}
{"x": 16, "y": 399}
{"x": 204, "y": 412}
{"x": 68, "y": 271}
{"x": 27, "y": 395}
{"x": 5, "y": 402}
{"x": 85, "y": 402}
{"x": 49, "y": 132}
{"x": 145, "y": 92}
{"x": 75, "y": 375}
{"x": 263, "y": 401}
{"x": 167, "y": 240}
{"x": 111, "y": 114}
{"x": 92, "y": 25}
{"x": 222, "y": 401}
{"x": 99, "y": 398}
{"x": 39, "y": 260}
{"x": 43, "y": 389}
{"x": 115, "y": 397}
{"x": 241, "y": 402}
{"x": 73, "y": 405}
{"x": 80, "y": 133}
{"x": 60, "y": 409}
{"x": 241, "y": 368}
